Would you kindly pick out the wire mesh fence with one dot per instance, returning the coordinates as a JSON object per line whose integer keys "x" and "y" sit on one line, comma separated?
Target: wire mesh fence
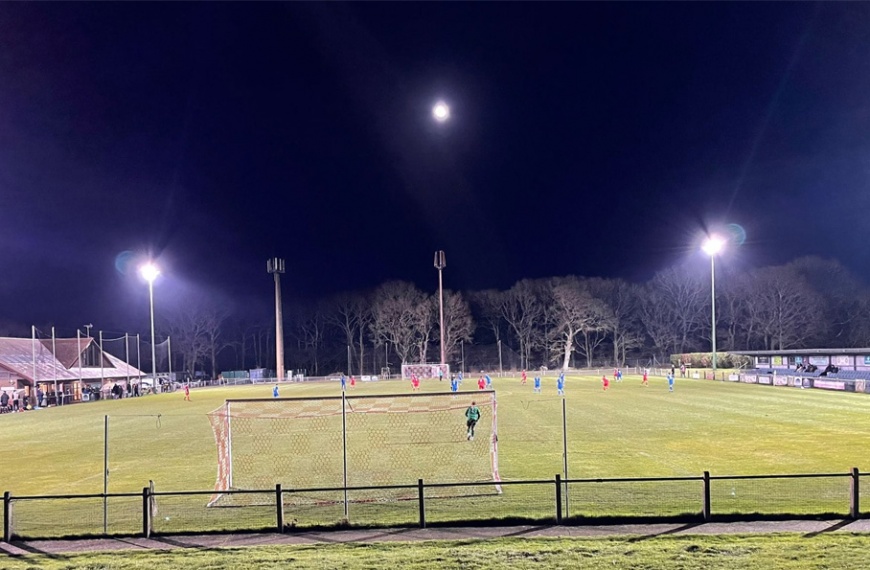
{"x": 786, "y": 495}
{"x": 94, "y": 515}
{"x": 556, "y": 500}
{"x": 634, "y": 497}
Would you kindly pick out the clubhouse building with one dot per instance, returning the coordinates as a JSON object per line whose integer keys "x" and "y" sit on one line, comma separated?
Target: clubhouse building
{"x": 66, "y": 370}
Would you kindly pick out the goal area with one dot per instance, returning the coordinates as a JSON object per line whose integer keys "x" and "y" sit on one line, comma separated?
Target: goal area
{"x": 353, "y": 441}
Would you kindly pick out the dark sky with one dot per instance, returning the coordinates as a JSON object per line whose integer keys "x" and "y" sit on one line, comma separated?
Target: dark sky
{"x": 589, "y": 139}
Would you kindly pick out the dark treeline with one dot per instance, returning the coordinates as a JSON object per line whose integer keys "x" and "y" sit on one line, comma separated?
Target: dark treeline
{"x": 554, "y": 322}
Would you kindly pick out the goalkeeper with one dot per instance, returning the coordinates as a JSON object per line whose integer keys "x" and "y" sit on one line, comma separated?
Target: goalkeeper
{"x": 472, "y": 414}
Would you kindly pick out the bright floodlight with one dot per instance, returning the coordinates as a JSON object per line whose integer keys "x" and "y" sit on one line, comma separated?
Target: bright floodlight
{"x": 713, "y": 245}
{"x": 149, "y": 271}
{"x": 441, "y": 111}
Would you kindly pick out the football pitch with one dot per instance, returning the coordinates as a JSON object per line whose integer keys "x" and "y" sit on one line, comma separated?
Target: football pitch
{"x": 628, "y": 431}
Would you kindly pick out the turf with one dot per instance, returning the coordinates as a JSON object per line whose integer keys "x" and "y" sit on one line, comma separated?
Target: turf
{"x": 628, "y": 431}
{"x": 787, "y": 551}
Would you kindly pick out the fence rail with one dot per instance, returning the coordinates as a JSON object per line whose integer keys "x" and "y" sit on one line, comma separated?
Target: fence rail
{"x": 691, "y": 498}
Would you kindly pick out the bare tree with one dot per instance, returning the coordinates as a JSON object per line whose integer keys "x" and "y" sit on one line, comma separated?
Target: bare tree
{"x": 213, "y": 320}
{"x": 658, "y": 320}
{"x": 189, "y": 324}
{"x": 622, "y": 300}
{"x": 523, "y": 311}
{"x": 680, "y": 293}
{"x": 393, "y": 316}
{"x": 309, "y": 326}
{"x": 783, "y": 308}
{"x": 424, "y": 322}
{"x": 488, "y": 304}
{"x": 351, "y": 315}
{"x": 573, "y": 310}
{"x": 458, "y": 323}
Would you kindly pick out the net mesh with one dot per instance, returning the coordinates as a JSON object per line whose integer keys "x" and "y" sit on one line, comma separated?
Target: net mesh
{"x": 303, "y": 443}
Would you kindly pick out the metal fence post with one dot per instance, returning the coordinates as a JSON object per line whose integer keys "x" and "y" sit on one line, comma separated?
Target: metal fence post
{"x": 279, "y": 501}
{"x": 558, "y": 499}
{"x": 7, "y": 516}
{"x": 146, "y": 512}
{"x": 422, "y": 502}
{"x": 855, "y": 495}
{"x": 705, "y": 513}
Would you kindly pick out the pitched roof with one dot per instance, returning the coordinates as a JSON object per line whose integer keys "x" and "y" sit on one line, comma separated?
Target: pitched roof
{"x": 26, "y": 358}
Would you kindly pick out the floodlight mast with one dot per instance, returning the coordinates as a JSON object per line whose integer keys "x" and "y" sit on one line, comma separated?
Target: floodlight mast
{"x": 150, "y": 272}
{"x": 712, "y": 246}
{"x": 276, "y": 267}
{"x": 440, "y": 264}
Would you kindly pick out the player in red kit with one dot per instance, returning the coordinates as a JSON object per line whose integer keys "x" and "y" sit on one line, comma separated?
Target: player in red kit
{"x": 481, "y": 383}
{"x": 645, "y": 380}
{"x": 415, "y": 382}
{"x": 605, "y": 383}
{"x": 524, "y": 377}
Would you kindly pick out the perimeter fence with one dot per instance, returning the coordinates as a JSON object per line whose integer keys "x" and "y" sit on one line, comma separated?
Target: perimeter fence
{"x": 562, "y": 501}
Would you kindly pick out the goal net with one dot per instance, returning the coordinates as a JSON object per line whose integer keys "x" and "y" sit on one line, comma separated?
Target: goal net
{"x": 425, "y": 370}
{"x": 354, "y": 441}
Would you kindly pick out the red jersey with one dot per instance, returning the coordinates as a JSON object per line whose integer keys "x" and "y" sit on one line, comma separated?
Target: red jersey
{"x": 605, "y": 381}
{"x": 481, "y": 384}
{"x": 524, "y": 376}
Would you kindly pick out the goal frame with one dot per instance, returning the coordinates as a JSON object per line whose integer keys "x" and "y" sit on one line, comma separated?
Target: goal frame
{"x": 425, "y": 370}
{"x": 222, "y": 419}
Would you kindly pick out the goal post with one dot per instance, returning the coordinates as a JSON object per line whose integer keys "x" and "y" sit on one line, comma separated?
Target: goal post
{"x": 360, "y": 440}
{"x": 425, "y": 370}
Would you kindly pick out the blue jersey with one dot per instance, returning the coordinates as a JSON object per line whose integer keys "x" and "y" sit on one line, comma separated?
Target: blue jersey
{"x": 275, "y": 392}
{"x": 488, "y": 380}
{"x": 670, "y": 379}
{"x": 454, "y": 385}
{"x": 560, "y": 383}
{"x": 537, "y": 381}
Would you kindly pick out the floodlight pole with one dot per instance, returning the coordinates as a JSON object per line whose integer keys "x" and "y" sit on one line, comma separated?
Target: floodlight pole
{"x": 713, "y": 307}
{"x": 150, "y": 272}
{"x": 711, "y": 247}
{"x": 153, "y": 348}
{"x": 440, "y": 264}
{"x": 276, "y": 267}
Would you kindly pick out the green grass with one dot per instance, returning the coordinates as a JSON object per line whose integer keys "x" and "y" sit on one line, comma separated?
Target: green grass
{"x": 629, "y": 431}
{"x": 784, "y": 552}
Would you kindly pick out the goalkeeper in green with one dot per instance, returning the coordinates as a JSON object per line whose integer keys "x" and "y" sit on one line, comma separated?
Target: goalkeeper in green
{"x": 472, "y": 414}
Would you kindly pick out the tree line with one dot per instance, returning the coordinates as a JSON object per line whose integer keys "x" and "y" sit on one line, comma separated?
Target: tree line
{"x": 555, "y": 322}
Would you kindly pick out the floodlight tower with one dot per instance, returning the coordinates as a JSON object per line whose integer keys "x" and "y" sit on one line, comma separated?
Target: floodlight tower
{"x": 276, "y": 267}
{"x": 150, "y": 272}
{"x": 441, "y": 263}
{"x": 713, "y": 245}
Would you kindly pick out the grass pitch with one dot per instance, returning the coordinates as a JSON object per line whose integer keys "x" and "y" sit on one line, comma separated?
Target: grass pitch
{"x": 785, "y": 552}
{"x": 628, "y": 431}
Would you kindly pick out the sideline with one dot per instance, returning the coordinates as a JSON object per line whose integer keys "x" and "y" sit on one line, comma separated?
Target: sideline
{"x": 635, "y": 532}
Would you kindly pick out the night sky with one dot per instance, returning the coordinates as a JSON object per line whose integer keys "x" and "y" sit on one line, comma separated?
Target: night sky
{"x": 587, "y": 139}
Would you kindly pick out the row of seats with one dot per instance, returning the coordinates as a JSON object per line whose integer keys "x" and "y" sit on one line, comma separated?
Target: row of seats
{"x": 851, "y": 374}
{"x": 789, "y": 372}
